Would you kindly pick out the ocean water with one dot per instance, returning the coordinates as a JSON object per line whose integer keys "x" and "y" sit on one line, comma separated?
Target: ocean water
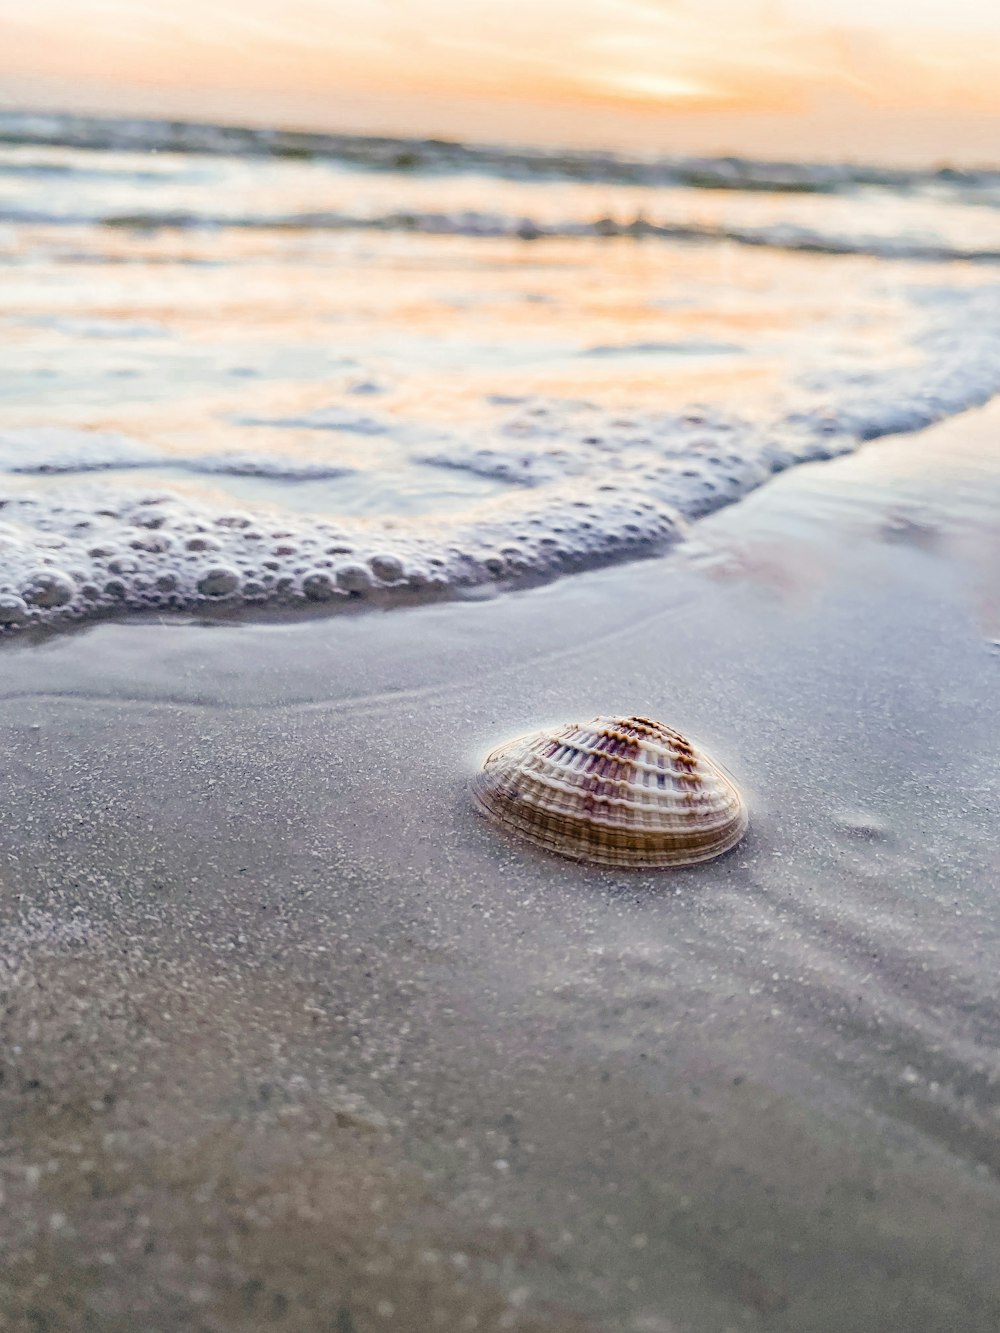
{"x": 248, "y": 371}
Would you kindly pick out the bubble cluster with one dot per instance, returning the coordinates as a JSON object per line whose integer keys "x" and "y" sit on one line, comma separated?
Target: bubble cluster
{"x": 103, "y": 551}
{"x": 694, "y": 461}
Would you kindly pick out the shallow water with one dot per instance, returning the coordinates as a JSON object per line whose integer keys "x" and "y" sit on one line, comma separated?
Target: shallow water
{"x": 292, "y": 1031}
{"x": 320, "y": 379}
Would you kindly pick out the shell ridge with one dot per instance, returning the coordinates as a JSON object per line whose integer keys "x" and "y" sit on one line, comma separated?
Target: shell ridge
{"x": 637, "y": 761}
{"x": 557, "y": 784}
{"x": 621, "y": 792}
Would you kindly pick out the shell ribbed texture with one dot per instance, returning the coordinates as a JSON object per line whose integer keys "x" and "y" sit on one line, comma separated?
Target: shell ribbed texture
{"x": 617, "y": 791}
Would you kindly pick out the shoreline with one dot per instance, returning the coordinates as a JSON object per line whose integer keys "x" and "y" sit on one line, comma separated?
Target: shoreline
{"x": 757, "y": 1094}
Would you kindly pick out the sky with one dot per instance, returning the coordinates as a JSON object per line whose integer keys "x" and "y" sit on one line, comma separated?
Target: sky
{"x": 891, "y": 80}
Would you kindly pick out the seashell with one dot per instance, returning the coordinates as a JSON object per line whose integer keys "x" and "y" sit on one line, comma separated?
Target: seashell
{"x": 617, "y": 791}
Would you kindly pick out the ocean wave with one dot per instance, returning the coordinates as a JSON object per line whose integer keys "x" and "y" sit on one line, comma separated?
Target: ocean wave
{"x": 56, "y": 451}
{"x": 325, "y": 418}
{"x": 680, "y": 347}
{"x": 778, "y": 236}
{"x": 53, "y": 450}
{"x": 399, "y": 154}
{"x": 96, "y": 326}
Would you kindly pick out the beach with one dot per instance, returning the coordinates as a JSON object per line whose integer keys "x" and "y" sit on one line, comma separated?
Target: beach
{"x": 293, "y": 1038}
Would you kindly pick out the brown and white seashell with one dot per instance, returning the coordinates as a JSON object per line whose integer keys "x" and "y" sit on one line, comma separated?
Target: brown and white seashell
{"x": 617, "y": 791}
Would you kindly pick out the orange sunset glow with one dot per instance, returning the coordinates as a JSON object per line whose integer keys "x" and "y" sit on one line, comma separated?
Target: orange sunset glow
{"x": 885, "y": 79}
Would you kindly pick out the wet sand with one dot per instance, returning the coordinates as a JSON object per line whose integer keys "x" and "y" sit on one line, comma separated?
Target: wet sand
{"x": 292, "y": 1039}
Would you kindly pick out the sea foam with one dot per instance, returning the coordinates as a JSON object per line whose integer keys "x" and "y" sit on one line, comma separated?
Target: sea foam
{"x": 582, "y": 486}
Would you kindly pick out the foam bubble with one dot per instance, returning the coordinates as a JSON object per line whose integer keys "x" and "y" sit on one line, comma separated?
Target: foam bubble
{"x": 48, "y": 589}
{"x": 13, "y": 611}
{"x": 319, "y": 586}
{"x": 217, "y": 582}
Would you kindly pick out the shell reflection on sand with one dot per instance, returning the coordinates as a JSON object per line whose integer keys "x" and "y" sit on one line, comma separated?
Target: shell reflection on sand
{"x": 617, "y": 791}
